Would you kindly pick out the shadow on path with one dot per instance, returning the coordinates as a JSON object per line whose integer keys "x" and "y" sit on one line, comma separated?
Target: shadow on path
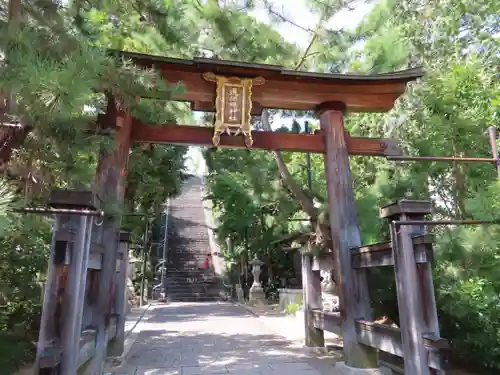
{"x": 215, "y": 338}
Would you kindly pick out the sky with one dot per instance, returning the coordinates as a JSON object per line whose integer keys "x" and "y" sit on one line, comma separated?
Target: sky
{"x": 300, "y": 15}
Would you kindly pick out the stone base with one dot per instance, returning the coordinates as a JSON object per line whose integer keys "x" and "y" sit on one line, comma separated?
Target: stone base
{"x": 257, "y": 296}
{"x": 342, "y": 369}
{"x": 315, "y": 350}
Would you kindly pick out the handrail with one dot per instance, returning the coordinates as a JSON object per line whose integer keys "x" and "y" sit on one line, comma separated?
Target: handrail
{"x": 165, "y": 251}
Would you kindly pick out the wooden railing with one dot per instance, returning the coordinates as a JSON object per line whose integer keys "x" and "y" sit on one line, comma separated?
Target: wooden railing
{"x": 51, "y": 356}
{"x": 417, "y": 346}
{"x": 384, "y": 338}
{"x": 77, "y": 328}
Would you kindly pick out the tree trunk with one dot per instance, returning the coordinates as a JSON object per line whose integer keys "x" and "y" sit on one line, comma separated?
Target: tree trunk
{"x": 304, "y": 199}
{"x": 320, "y": 223}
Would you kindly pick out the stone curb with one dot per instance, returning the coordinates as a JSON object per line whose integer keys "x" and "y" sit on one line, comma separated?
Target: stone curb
{"x": 130, "y": 339}
{"x": 247, "y": 308}
{"x": 131, "y": 336}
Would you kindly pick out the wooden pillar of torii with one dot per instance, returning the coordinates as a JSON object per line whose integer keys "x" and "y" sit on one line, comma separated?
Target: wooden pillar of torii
{"x": 352, "y": 287}
{"x": 109, "y": 183}
{"x": 84, "y": 303}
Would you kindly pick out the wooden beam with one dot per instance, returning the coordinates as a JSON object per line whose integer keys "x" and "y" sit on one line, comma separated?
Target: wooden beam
{"x": 388, "y": 339}
{"x": 384, "y": 338}
{"x": 74, "y": 199}
{"x": 202, "y": 136}
{"x": 380, "y": 254}
{"x": 284, "y": 89}
{"x": 327, "y": 321}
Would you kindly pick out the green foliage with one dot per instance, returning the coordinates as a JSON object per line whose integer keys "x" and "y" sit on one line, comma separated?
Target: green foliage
{"x": 24, "y": 243}
{"x": 292, "y": 308}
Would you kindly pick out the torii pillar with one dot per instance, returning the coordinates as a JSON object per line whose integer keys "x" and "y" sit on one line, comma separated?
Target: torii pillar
{"x": 345, "y": 233}
{"x": 109, "y": 183}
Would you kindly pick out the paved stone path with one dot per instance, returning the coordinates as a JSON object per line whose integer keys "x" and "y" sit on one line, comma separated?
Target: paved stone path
{"x": 215, "y": 338}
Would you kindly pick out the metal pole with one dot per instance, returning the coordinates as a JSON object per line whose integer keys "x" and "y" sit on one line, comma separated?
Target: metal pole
{"x": 164, "y": 256}
{"x": 147, "y": 256}
{"x": 442, "y": 158}
{"x": 144, "y": 260}
{"x": 308, "y": 160}
{"x": 446, "y": 222}
{"x": 62, "y": 211}
{"x": 492, "y": 135}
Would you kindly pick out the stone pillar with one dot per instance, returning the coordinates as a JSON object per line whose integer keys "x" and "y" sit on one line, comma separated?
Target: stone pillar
{"x": 329, "y": 293}
{"x": 131, "y": 274}
{"x": 257, "y": 294}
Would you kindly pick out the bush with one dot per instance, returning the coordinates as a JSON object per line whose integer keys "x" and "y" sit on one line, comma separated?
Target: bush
{"x": 292, "y": 308}
{"x": 23, "y": 256}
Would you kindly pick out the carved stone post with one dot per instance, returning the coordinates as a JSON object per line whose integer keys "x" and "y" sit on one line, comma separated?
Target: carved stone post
{"x": 256, "y": 292}
{"x": 351, "y": 286}
{"x": 133, "y": 261}
{"x": 311, "y": 284}
{"x": 329, "y": 295}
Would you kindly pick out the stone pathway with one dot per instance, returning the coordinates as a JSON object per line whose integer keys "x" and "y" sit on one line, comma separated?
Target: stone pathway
{"x": 215, "y": 338}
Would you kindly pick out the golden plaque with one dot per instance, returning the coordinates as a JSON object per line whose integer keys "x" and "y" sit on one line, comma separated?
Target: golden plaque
{"x": 233, "y": 106}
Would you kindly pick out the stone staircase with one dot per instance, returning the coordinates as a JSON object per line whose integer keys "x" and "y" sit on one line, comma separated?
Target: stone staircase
{"x": 188, "y": 244}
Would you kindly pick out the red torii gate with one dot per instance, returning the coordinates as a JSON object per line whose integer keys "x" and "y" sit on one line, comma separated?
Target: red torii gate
{"x": 235, "y": 92}
{"x": 207, "y": 84}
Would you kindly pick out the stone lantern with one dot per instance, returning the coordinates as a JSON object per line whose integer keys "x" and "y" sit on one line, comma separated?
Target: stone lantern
{"x": 257, "y": 294}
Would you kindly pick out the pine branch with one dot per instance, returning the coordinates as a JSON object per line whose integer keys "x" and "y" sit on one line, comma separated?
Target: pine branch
{"x": 284, "y": 19}
{"x": 306, "y": 52}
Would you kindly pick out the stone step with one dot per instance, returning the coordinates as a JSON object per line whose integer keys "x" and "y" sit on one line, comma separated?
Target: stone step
{"x": 180, "y": 269}
{"x": 185, "y": 291}
{"x": 188, "y": 246}
{"x": 187, "y": 281}
{"x": 192, "y": 298}
{"x": 185, "y": 276}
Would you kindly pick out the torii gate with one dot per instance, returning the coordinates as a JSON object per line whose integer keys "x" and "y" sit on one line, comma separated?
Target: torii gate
{"x": 237, "y": 91}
